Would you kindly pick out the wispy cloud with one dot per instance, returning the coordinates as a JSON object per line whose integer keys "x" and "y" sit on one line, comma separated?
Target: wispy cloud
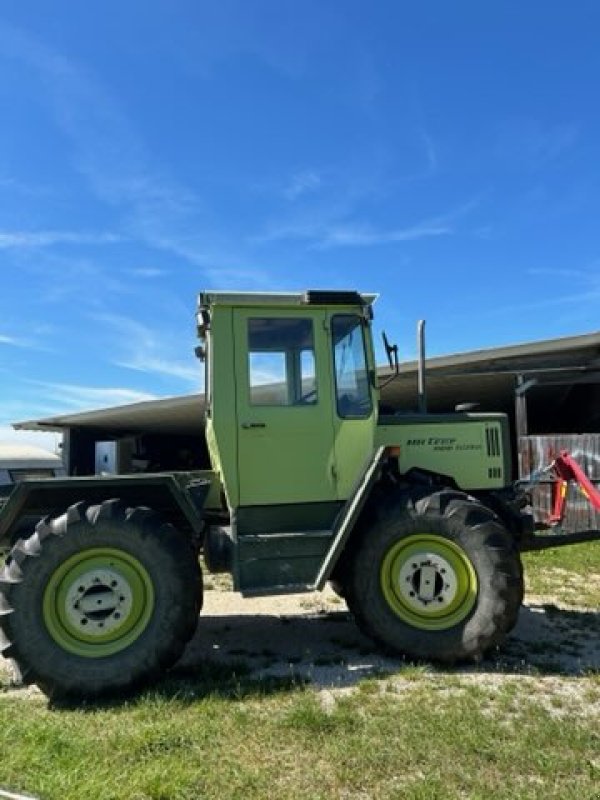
{"x": 302, "y": 183}
{"x": 364, "y": 236}
{"x": 77, "y": 397}
{"x": 48, "y": 441}
{"x": 148, "y": 272}
{"x": 248, "y": 278}
{"x": 323, "y": 234}
{"x": 431, "y": 154}
{"x": 144, "y": 350}
{"x": 353, "y": 234}
{"x": 161, "y": 366}
{"x": 30, "y": 342}
{"x": 583, "y": 302}
{"x": 58, "y": 398}
{"x": 9, "y": 340}
{"x": 59, "y": 276}
{"x": 14, "y": 240}
{"x": 109, "y": 153}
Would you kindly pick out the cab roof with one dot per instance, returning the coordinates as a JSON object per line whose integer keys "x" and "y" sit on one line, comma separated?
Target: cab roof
{"x": 321, "y": 297}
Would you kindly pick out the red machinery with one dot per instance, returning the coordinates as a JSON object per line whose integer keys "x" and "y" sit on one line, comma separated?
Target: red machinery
{"x": 566, "y": 469}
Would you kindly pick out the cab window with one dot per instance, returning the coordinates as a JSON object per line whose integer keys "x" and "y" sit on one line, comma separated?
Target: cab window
{"x": 281, "y": 362}
{"x": 353, "y": 393}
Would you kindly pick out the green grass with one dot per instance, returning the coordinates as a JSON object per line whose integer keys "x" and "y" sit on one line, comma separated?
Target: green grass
{"x": 247, "y": 740}
{"x": 570, "y": 574}
{"x": 417, "y": 733}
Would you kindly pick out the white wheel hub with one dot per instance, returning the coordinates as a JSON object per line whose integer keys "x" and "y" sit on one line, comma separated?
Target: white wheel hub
{"x": 427, "y": 581}
{"x": 98, "y": 601}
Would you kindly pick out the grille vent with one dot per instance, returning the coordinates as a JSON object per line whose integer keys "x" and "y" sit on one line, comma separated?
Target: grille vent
{"x": 492, "y": 441}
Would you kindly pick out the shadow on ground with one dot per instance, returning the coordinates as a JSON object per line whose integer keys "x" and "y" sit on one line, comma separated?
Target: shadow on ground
{"x": 326, "y": 649}
{"x": 237, "y": 655}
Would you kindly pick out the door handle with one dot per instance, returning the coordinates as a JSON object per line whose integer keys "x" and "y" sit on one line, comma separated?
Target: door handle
{"x": 248, "y": 425}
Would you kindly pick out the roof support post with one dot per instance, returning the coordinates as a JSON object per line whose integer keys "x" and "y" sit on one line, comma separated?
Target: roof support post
{"x": 521, "y": 407}
{"x": 79, "y": 452}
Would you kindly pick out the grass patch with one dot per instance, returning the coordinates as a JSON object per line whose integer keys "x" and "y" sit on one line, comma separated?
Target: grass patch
{"x": 570, "y": 574}
{"x": 255, "y": 743}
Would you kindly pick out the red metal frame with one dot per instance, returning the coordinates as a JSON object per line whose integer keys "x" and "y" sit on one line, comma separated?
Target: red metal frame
{"x": 566, "y": 469}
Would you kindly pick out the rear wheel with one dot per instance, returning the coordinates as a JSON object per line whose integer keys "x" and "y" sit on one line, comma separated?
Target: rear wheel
{"x": 98, "y": 600}
{"x": 436, "y": 578}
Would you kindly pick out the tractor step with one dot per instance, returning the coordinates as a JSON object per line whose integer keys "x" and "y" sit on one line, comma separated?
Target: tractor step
{"x": 272, "y": 563}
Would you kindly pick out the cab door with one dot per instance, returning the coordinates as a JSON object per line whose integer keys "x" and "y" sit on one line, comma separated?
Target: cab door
{"x": 285, "y": 429}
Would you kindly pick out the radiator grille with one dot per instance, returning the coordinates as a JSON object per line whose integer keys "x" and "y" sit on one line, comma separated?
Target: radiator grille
{"x": 492, "y": 441}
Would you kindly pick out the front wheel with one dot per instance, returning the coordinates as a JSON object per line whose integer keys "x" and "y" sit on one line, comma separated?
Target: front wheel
{"x": 98, "y": 600}
{"x": 436, "y": 578}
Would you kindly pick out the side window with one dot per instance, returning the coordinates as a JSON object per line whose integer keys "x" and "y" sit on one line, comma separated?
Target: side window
{"x": 353, "y": 393}
{"x": 281, "y": 362}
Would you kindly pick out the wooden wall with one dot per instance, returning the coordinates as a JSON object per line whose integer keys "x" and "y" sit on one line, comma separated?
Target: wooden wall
{"x": 535, "y": 452}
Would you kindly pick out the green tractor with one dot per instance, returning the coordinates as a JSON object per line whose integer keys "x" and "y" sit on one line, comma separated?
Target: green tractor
{"x": 412, "y": 518}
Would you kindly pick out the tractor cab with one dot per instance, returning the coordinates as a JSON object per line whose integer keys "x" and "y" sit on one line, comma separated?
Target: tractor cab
{"x": 291, "y": 396}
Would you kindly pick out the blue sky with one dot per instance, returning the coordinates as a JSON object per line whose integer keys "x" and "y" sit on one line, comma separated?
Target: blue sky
{"x": 445, "y": 155}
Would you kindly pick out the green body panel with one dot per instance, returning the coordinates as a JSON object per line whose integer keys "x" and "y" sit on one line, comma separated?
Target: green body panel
{"x": 290, "y": 457}
{"x": 221, "y": 408}
{"x": 283, "y": 562}
{"x": 471, "y": 449}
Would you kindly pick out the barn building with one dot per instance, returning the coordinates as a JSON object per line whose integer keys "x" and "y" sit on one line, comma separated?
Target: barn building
{"x": 549, "y": 389}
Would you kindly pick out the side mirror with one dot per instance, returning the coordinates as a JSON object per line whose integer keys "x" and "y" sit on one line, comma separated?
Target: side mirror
{"x": 391, "y": 351}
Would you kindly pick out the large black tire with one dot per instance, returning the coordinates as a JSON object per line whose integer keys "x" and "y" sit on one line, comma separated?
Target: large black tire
{"x": 435, "y": 577}
{"x": 98, "y": 601}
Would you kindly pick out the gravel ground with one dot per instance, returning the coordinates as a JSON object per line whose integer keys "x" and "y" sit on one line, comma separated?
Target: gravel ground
{"x": 312, "y": 637}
